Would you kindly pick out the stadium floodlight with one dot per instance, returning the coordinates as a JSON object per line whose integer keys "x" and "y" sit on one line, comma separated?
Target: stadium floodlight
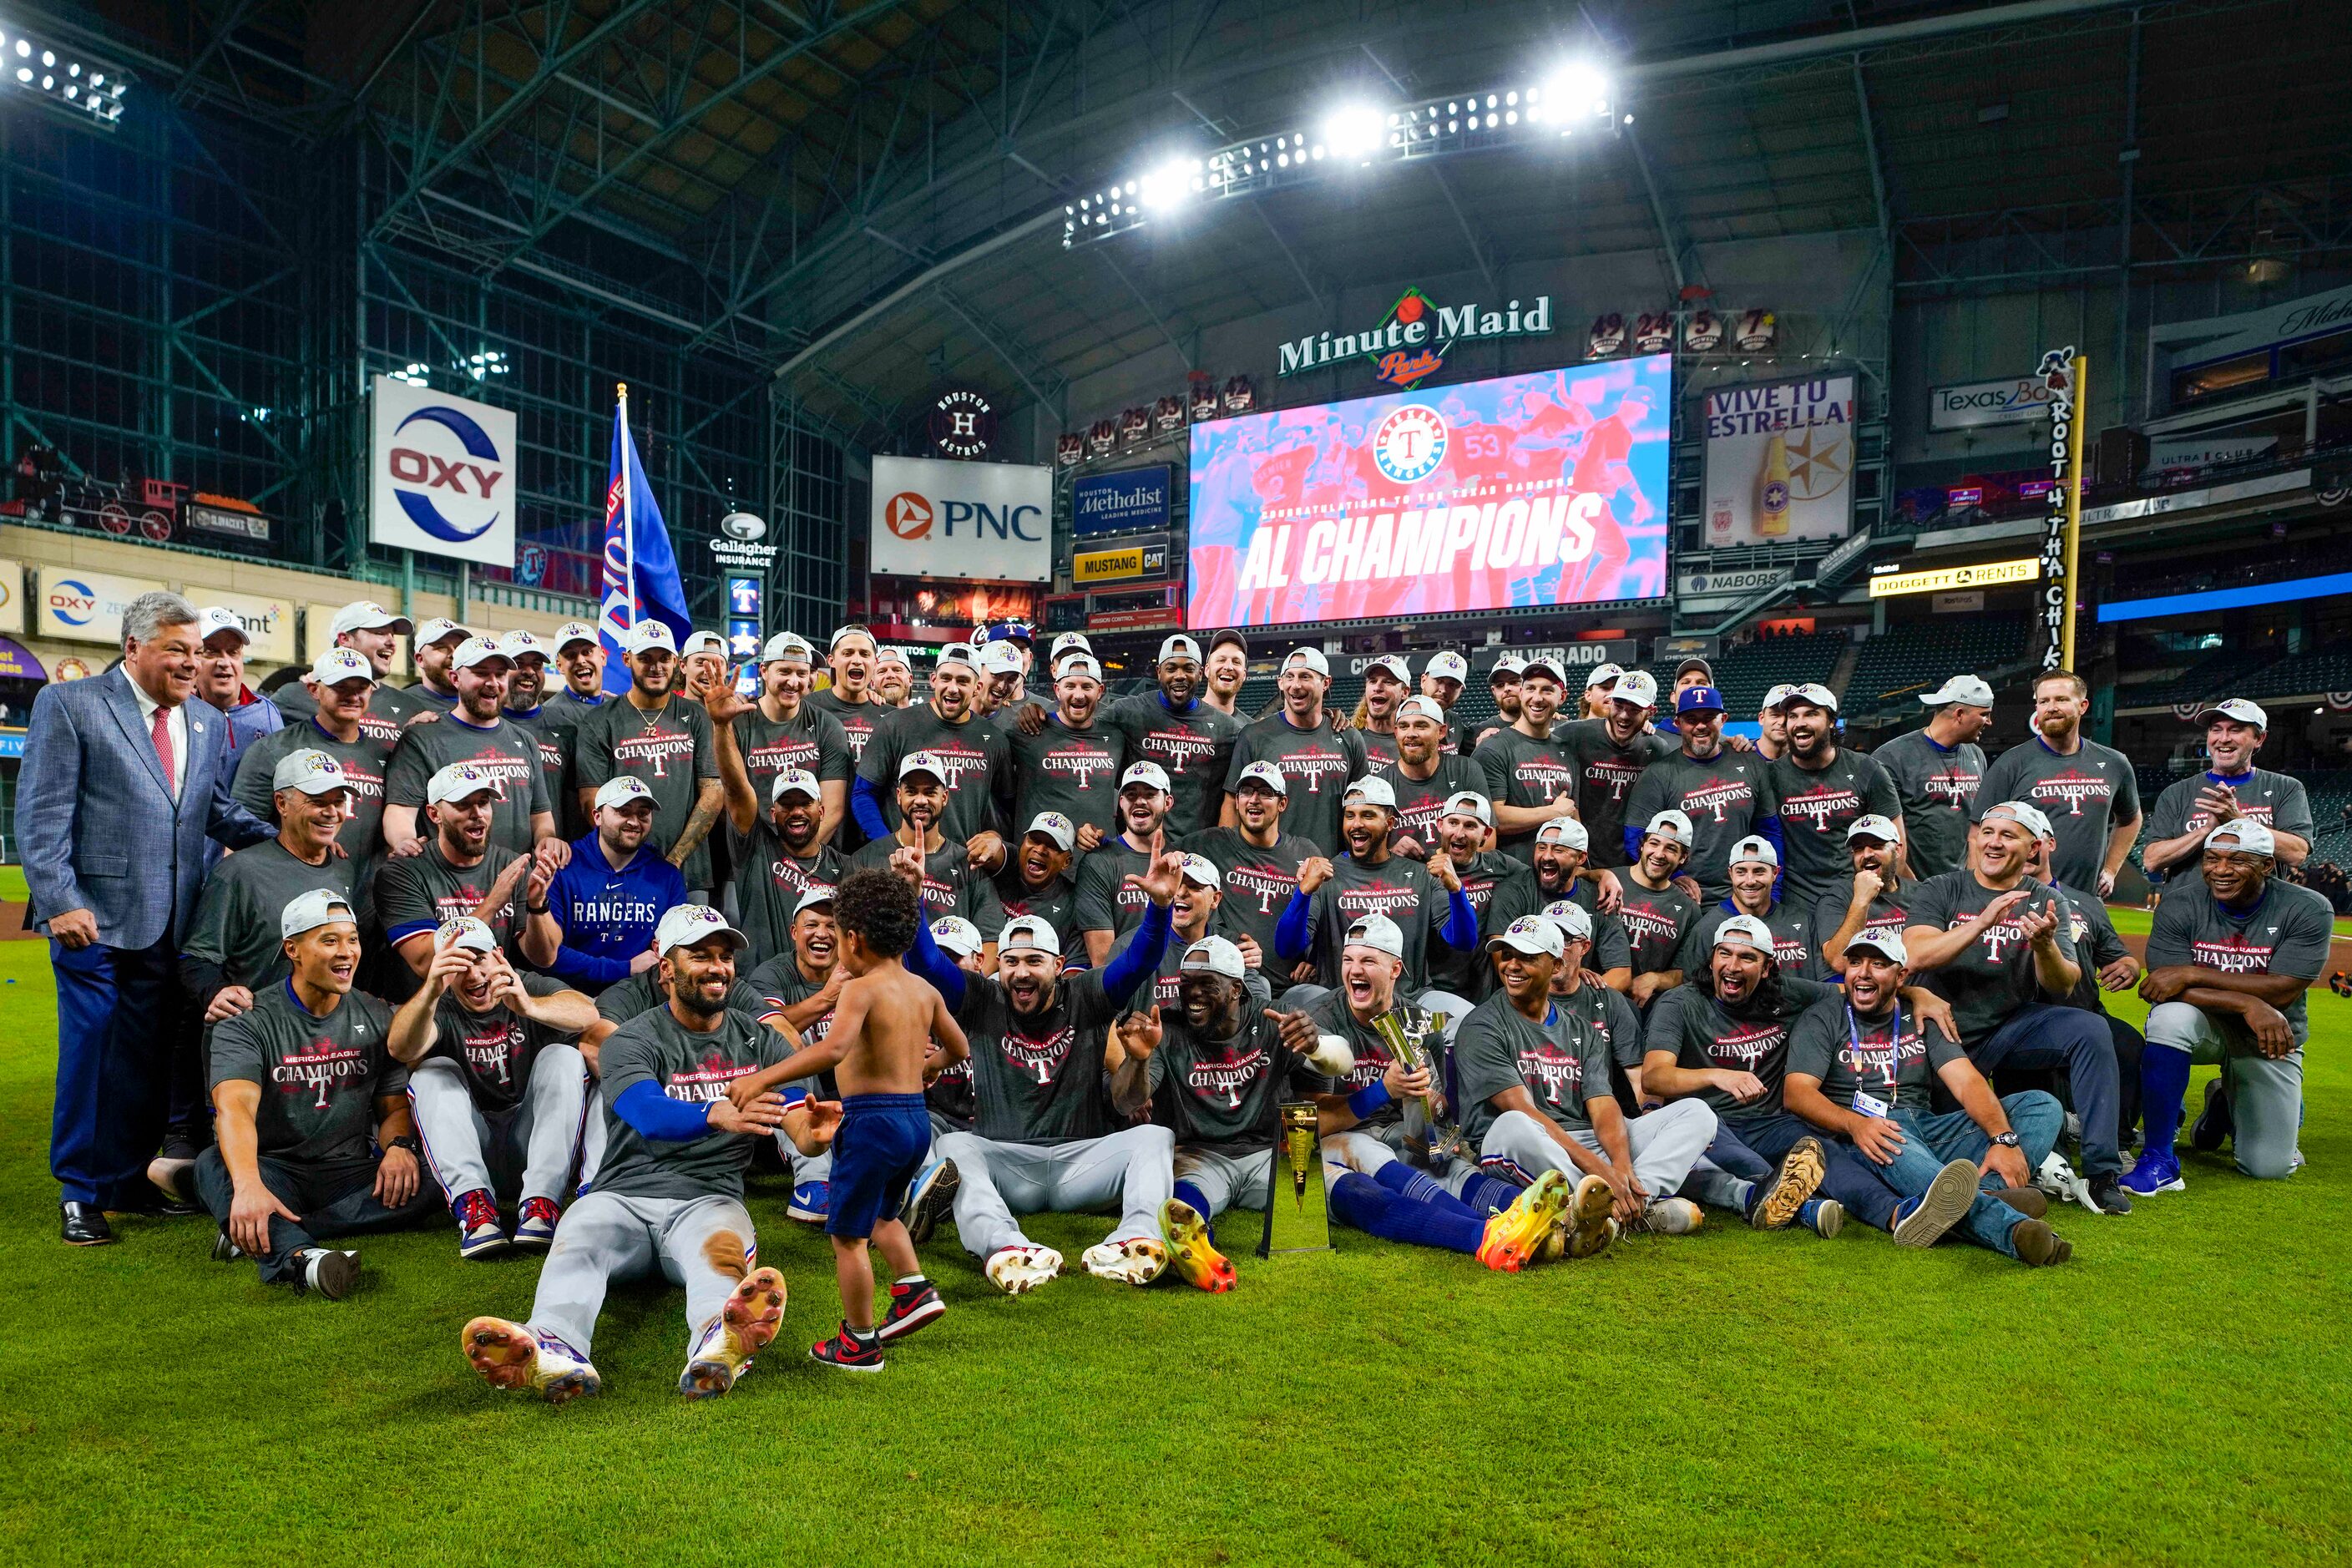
{"x": 89, "y": 91}
{"x": 1578, "y": 93}
{"x": 1354, "y": 132}
{"x": 1170, "y": 185}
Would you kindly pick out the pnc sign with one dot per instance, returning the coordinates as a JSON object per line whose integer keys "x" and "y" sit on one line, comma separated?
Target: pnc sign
{"x": 991, "y": 522}
{"x": 441, "y": 474}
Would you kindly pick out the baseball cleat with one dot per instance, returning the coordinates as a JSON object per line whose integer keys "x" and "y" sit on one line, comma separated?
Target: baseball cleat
{"x": 1194, "y": 1255}
{"x": 930, "y": 1199}
{"x": 328, "y": 1272}
{"x": 811, "y": 1201}
{"x": 1671, "y": 1217}
{"x": 845, "y": 1352}
{"x": 1823, "y": 1216}
{"x": 513, "y": 1356}
{"x": 1017, "y": 1270}
{"x": 1923, "y": 1220}
{"x": 535, "y": 1225}
{"x": 911, "y": 1307}
{"x": 753, "y": 1312}
{"x": 1799, "y": 1177}
{"x": 1514, "y": 1237}
{"x": 1591, "y": 1227}
{"x": 1137, "y": 1260}
{"x": 479, "y": 1234}
{"x": 2212, "y": 1127}
{"x": 2156, "y": 1171}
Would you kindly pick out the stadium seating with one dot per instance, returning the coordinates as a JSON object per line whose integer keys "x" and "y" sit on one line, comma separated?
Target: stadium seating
{"x": 1745, "y": 673}
{"x": 2222, "y": 673}
{"x": 2313, "y": 670}
{"x": 1895, "y": 667}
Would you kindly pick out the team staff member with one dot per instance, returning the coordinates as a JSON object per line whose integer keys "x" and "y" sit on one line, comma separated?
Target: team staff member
{"x": 970, "y": 752}
{"x": 2087, "y": 790}
{"x": 1316, "y": 762}
{"x": 474, "y": 732}
{"x": 342, "y": 685}
{"x": 1726, "y": 795}
{"x": 302, "y": 1082}
{"x": 1424, "y": 774}
{"x": 1192, "y": 741}
{"x": 894, "y": 680}
{"x": 2231, "y": 790}
{"x": 663, "y": 741}
{"x": 373, "y": 632}
{"x": 122, "y": 784}
{"x": 607, "y": 902}
{"x": 1937, "y": 769}
{"x": 1822, "y": 788}
{"x": 1070, "y": 767}
{"x": 220, "y": 680}
{"x": 1257, "y": 864}
{"x": 1609, "y": 754}
{"x": 1529, "y": 779}
{"x": 2228, "y": 962}
{"x": 1878, "y": 900}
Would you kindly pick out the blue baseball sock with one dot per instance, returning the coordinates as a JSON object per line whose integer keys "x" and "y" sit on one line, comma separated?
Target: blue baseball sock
{"x": 1186, "y": 1192}
{"x": 2163, "y": 1079}
{"x": 1369, "y": 1206}
{"x": 1405, "y": 1182}
{"x": 1482, "y": 1194}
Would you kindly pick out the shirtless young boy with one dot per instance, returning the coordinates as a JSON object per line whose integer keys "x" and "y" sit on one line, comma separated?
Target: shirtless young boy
{"x": 883, "y": 1029}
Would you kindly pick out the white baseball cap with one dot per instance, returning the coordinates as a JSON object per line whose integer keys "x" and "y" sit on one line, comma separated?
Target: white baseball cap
{"x": 571, "y": 632}
{"x": 621, "y": 791}
{"x": 957, "y": 653}
{"x": 2025, "y": 813}
{"x": 2234, "y": 708}
{"x": 1549, "y": 667}
{"x": 474, "y": 650}
{"x": 788, "y": 646}
{"x": 1530, "y": 934}
{"x": 1968, "y": 689}
{"x": 469, "y": 933}
{"x": 1268, "y": 774}
{"x": 691, "y": 925}
{"x": 1565, "y": 831}
{"x": 460, "y": 780}
{"x": 1449, "y": 665}
{"x": 923, "y": 762}
{"x": 1028, "y": 931}
{"x": 1376, "y": 931}
{"x": 1638, "y": 687}
{"x": 1746, "y": 930}
{"x": 958, "y": 935}
{"x": 1084, "y": 664}
{"x": 312, "y": 909}
{"x": 1777, "y": 695}
{"x": 1000, "y": 658}
{"x": 816, "y": 895}
{"x": 892, "y": 654}
{"x": 1575, "y": 924}
{"x": 2244, "y": 836}
{"x": 1886, "y": 942}
{"x": 1469, "y": 802}
{"x": 648, "y": 635}
{"x": 1069, "y": 640}
{"x": 791, "y": 779}
{"x": 1673, "y": 825}
{"x": 1393, "y": 664}
{"x": 1811, "y": 693}
{"x": 212, "y": 620}
{"x": 1505, "y": 664}
{"x": 852, "y": 630}
{"x": 338, "y": 664}
{"x": 1212, "y": 955}
{"x": 1874, "y": 827}
{"x": 1371, "y": 790}
{"x": 1603, "y": 675}
{"x": 365, "y": 615}
{"x": 1180, "y": 647}
{"x": 1753, "y": 850}
{"x": 1057, "y": 828}
{"x": 521, "y": 645}
{"x": 440, "y": 629}
{"x": 702, "y": 642}
{"x": 1428, "y": 707}
{"x": 312, "y": 772}
{"x": 1151, "y": 774}
{"x": 1312, "y": 657}
{"x": 1202, "y": 870}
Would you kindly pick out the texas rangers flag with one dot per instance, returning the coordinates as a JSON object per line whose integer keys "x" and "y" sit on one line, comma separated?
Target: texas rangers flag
{"x": 640, "y": 572}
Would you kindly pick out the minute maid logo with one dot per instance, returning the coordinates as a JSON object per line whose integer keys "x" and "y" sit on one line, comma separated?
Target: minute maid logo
{"x": 1411, "y": 342}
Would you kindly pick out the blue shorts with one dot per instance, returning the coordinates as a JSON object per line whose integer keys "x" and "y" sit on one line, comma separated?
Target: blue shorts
{"x": 880, "y": 1147}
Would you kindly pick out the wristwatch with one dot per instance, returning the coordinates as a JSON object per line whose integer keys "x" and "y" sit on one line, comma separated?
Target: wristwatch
{"x": 409, "y": 1141}
{"x": 2006, "y": 1141}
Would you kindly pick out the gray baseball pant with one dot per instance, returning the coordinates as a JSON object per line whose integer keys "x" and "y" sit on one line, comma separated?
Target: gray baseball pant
{"x": 605, "y": 1236}
{"x": 2265, "y": 1096}
{"x": 527, "y": 1152}
{"x": 1130, "y": 1171}
{"x": 1665, "y": 1144}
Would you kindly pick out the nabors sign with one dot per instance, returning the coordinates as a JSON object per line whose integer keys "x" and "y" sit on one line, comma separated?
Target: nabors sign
{"x": 1411, "y": 342}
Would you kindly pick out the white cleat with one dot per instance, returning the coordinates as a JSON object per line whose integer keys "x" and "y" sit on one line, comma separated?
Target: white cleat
{"x": 513, "y": 1356}
{"x": 2064, "y": 1182}
{"x": 1135, "y": 1261}
{"x": 1017, "y": 1270}
{"x": 1671, "y": 1217}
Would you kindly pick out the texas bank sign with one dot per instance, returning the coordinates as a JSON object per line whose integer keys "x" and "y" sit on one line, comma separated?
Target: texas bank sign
{"x": 1411, "y": 342}
{"x": 933, "y": 517}
{"x": 441, "y": 474}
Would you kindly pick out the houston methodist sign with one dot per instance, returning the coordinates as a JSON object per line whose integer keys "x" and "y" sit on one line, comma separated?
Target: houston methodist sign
{"x": 441, "y": 474}
{"x": 988, "y": 520}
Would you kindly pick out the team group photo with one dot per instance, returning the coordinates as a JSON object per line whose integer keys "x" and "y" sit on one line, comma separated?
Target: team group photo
{"x": 1361, "y": 785}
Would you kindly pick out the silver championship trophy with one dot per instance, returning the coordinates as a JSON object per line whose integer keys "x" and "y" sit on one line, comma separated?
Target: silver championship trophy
{"x": 1415, "y": 1036}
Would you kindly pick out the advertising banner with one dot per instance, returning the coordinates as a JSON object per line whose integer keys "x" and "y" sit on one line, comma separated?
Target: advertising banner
{"x": 1949, "y": 579}
{"x": 441, "y": 474}
{"x": 12, "y": 596}
{"x": 1779, "y": 462}
{"x": 1525, "y": 491}
{"x": 1131, "y": 562}
{"x": 2019, "y": 400}
{"x": 268, "y": 622}
{"x": 1128, "y": 501}
{"x": 85, "y": 607}
{"x": 933, "y": 517}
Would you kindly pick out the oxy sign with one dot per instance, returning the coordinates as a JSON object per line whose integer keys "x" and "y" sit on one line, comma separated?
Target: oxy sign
{"x": 441, "y": 474}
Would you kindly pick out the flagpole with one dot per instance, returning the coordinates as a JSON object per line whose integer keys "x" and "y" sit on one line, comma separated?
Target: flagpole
{"x": 628, "y": 495}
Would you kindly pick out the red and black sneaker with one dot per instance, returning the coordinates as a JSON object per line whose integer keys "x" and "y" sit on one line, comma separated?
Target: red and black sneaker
{"x": 846, "y": 1351}
{"x": 911, "y": 1307}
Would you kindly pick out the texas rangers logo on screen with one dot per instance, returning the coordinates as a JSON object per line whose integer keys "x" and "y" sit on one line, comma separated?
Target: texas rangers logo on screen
{"x": 1523, "y": 492}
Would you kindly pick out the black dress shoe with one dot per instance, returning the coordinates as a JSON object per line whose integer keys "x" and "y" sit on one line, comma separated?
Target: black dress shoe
{"x": 84, "y": 1225}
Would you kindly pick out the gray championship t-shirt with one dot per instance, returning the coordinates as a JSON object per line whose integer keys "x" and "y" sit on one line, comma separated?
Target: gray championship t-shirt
{"x": 366, "y": 762}
{"x": 669, "y": 752}
{"x": 856, "y": 720}
{"x": 419, "y": 892}
{"x": 973, "y": 752}
{"x": 810, "y": 740}
{"x": 1655, "y": 922}
{"x": 1501, "y": 889}
{"x": 496, "y": 1050}
{"x": 1937, "y": 786}
{"x": 1706, "y": 1036}
{"x": 1993, "y": 976}
{"x": 1224, "y": 1096}
{"x": 2286, "y": 932}
{"x": 1848, "y": 1053}
{"x": 319, "y": 1077}
{"x": 769, "y": 882}
{"x": 1056, "y": 903}
{"x": 556, "y": 740}
{"x": 1816, "y": 807}
{"x": 1040, "y": 1079}
{"x": 1606, "y": 773}
{"x": 507, "y": 753}
{"x": 1889, "y": 914}
{"x": 1563, "y": 1063}
{"x": 1195, "y": 747}
{"x": 2084, "y": 795}
{"x": 1524, "y": 771}
{"x": 1074, "y": 771}
{"x": 1420, "y": 801}
{"x": 1258, "y": 884}
{"x": 1400, "y": 888}
{"x": 951, "y": 886}
{"x": 236, "y": 924}
{"x": 2275, "y": 800}
{"x": 562, "y": 714}
{"x": 1724, "y": 795}
{"x": 1105, "y": 901}
{"x": 655, "y": 1048}
{"x": 1317, "y": 764}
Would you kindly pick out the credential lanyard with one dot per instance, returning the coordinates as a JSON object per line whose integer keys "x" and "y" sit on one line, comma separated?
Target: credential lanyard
{"x": 1894, "y": 1045}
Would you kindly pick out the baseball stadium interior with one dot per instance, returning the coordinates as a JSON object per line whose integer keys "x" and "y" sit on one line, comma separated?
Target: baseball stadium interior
{"x": 1869, "y": 359}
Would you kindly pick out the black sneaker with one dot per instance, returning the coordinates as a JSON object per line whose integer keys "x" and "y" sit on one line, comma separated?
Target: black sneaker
{"x": 2108, "y": 1192}
{"x": 847, "y": 1352}
{"x": 911, "y": 1307}
{"x": 2214, "y": 1124}
{"x": 329, "y": 1273}
{"x": 224, "y": 1249}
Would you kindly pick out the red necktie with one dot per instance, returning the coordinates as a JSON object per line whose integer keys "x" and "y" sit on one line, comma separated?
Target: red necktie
{"x": 164, "y": 748}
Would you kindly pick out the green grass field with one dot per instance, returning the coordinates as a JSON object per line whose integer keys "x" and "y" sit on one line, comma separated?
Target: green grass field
{"x": 2175, "y": 1395}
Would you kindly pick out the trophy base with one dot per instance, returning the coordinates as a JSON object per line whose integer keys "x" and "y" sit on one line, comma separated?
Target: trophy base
{"x": 1298, "y": 1208}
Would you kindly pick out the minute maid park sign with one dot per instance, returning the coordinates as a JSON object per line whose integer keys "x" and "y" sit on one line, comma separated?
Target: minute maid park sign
{"x": 1411, "y": 341}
